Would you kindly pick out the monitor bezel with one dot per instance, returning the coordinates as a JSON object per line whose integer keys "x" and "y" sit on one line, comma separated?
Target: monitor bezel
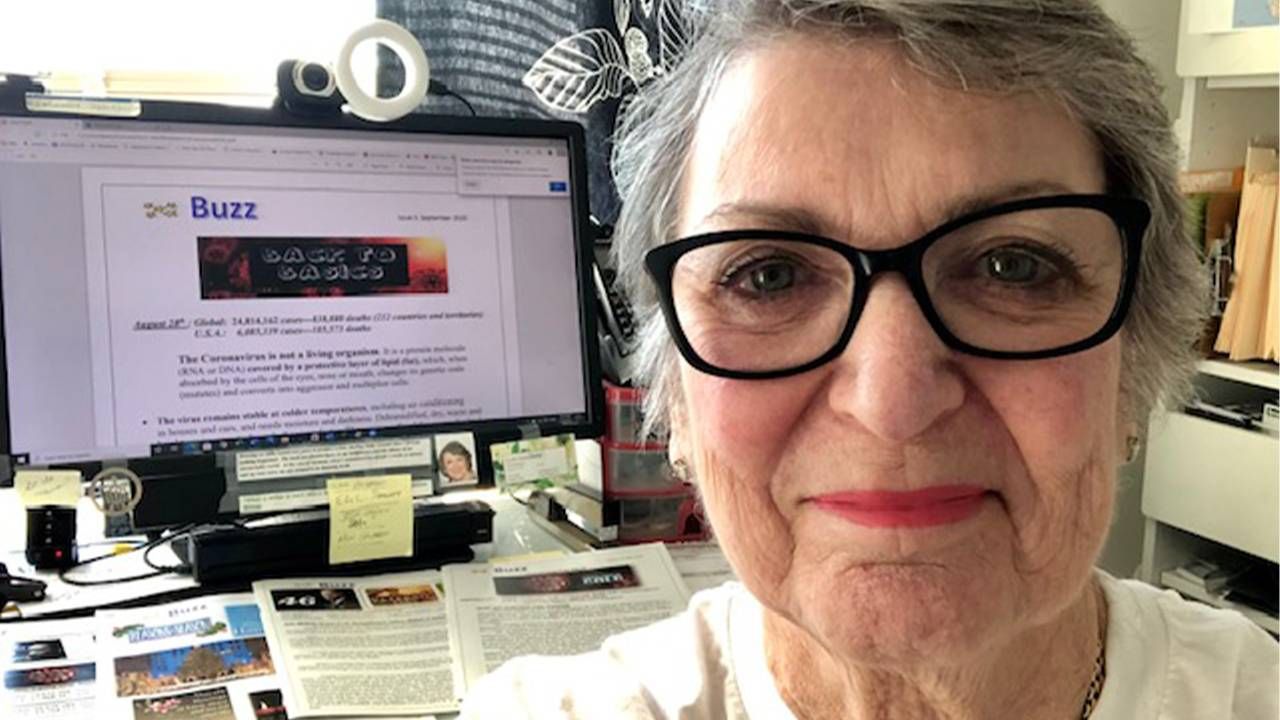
{"x": 590, "y": 425}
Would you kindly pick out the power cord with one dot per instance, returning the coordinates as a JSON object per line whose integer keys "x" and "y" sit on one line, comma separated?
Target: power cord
{"x": 180, "y": 568}
{"x": 146, "y": 549}
{"x": 435, "y": 87}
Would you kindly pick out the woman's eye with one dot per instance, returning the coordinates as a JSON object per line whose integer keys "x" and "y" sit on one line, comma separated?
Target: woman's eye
{"x": 1013, "y": 266}
{"x": 768, "y": 278}
{"x": 765, "y": 277}
{"x": 771, "y": 277}
{"x": 1022, "y": 266}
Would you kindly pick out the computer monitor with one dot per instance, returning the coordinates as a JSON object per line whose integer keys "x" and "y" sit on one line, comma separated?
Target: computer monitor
{"x": 198, "y": 279}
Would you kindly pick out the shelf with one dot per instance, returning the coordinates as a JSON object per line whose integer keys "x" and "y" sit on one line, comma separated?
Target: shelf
{"x": 1262, "y": 373}
{"x": 1214, "y": 480}
{"x": 1242, "y": 82}
{"x": 1172, "y": 580}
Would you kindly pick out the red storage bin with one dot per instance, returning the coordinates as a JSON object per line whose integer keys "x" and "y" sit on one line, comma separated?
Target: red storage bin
{"x": 666, "y": 518}
{"x": 637, "y": 470}
{"x": 624, "y": 417}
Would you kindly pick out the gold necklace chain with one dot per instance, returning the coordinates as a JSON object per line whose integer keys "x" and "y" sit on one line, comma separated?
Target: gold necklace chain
{"x": 1095, "y": 685}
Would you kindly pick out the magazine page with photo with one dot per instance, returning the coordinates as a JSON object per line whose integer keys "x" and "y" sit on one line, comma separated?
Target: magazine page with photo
{"x": 202, "y": 659}
{"x": 48, "y": 670}
{"x": 376, "y": 645}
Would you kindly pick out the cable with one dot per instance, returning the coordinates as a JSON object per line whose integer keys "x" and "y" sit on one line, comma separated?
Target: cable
{"x": 62, "y": 575}
{"x": 435, "y": 87}
{"x": 146, "y": 558}
{"x": 146, "y": 549}
{"x": 464, "y": 102}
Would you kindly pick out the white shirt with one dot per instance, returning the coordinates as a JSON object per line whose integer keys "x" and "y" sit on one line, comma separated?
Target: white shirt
{"x": 1167, "y": 659}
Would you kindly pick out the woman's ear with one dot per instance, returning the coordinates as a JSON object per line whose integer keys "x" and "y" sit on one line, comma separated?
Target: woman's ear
{"x": 677, "y": 443}
{"x": 1130, "y": 442}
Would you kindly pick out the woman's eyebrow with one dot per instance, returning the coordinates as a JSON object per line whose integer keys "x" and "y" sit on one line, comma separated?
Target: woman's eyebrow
{"x": 989, "y": 196}
{"x": 773, "y": 217}
{"x": 813, "y": 222}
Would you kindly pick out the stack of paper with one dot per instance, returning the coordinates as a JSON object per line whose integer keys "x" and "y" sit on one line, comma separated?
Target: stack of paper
{"x": 1209, "y": 576}
{"x": 48, "y": 669}
{"x": 404, "y": 644}
{"x": 203, "y": 658}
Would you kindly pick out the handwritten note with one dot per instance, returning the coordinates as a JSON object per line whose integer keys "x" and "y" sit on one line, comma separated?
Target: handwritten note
{"x": 47, "y": 487}
{"x": 370, "y": 518}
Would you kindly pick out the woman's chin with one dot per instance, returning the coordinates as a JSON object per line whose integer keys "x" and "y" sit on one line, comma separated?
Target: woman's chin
{"x": 901, "y": 615}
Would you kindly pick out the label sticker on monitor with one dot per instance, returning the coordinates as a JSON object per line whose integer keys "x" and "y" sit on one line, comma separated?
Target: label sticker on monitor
{"x": 305, "y": 460}
{"x": 286, "y": 500}
{"x": 104, "y": 107}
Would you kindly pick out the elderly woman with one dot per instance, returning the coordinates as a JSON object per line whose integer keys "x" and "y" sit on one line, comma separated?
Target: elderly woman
{"x": 922, "y": 275}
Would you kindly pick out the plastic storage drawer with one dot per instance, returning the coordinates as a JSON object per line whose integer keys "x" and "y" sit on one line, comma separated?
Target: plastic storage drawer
{"x": 637, "y": 471}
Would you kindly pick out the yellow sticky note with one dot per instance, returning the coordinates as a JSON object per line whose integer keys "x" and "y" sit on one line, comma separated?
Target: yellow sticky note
{"x": 47, "y": 487}
{"x": 370, "y": 518}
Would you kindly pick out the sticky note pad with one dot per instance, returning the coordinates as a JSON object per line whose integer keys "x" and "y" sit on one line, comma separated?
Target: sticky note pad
{"x": 544, "y": 461}
{"x": 47, "y": 487}
{"x": 370, "y": 518}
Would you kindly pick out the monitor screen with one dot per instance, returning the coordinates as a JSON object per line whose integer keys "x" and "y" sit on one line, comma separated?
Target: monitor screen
{"x": 211, "y": 281}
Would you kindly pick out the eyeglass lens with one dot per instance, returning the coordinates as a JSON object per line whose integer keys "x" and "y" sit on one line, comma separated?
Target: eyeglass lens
{"x": 1023, "y": 281}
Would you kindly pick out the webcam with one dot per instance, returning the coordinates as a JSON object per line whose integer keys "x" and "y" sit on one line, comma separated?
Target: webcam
{"x": 307, "y": 88}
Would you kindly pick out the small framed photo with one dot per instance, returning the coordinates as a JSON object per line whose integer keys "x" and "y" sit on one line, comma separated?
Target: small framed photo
{"x": 455, "y": 460}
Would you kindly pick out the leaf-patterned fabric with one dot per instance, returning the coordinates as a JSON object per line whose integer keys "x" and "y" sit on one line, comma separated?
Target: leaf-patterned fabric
{"x": 568, "y": 59}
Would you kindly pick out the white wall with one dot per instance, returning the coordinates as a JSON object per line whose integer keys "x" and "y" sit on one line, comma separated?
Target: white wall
{"x": 1154, "y": 25}
{"x": 163, "y": 48}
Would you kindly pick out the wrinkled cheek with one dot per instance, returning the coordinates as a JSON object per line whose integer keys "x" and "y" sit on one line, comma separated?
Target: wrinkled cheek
{"x": 736, "y": 432}
{"x": 1062, "y": 417}
{"x": 1062, "y": 530}
{"x": 751, "y": 530}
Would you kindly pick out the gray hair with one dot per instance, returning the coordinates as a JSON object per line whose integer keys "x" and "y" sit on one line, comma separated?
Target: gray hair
{"x": 1067, "y": 50}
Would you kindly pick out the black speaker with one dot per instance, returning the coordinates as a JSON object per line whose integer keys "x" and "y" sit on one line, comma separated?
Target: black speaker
{"x": 51, "y": 537}
{"x": 307, "y": 88}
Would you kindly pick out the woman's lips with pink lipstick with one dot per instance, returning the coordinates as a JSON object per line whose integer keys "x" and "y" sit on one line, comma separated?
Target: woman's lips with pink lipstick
{"x": 939, "y": 505}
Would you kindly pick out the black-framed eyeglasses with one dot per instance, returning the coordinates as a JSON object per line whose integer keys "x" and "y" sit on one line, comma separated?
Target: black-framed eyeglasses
{"x": 1032, "y": 278}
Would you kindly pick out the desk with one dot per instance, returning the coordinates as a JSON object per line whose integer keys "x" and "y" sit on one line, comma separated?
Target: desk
{"x": 515, "y": 532}
{"x": 50, "y": 666}
{"x": 61, "y": 667}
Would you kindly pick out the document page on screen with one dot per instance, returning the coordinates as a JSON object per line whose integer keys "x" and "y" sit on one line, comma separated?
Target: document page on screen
{"x": 225, "y": 287}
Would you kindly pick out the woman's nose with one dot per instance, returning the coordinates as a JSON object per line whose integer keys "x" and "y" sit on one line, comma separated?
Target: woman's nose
{"x": 896, "y": 378}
